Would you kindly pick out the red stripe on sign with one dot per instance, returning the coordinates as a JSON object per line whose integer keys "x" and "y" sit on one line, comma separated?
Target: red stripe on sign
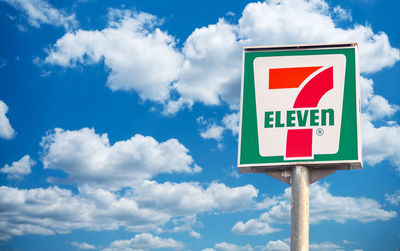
{"x": 313, "y": 91}
{"x": 299, "y": 143}
{"x": 282, "y": 78}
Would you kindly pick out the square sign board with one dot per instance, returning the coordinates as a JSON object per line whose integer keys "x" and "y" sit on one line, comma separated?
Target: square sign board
{"x": 300, "y": 106}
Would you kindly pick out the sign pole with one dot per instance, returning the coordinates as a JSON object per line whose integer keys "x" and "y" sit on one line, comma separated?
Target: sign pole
{"x": 300, "y": 209}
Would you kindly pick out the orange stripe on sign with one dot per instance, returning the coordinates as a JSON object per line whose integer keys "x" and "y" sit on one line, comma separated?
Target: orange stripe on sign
{"x": 282, "y": 78}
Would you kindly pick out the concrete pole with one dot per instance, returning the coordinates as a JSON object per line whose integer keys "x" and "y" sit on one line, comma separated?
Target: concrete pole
{"x": 300, "y": 209}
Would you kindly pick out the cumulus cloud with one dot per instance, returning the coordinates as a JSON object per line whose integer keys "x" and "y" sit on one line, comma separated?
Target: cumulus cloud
{"x": 140, "y": 56}
{"x": 207, "y": 69}
{"x": 224, "y": 246}
{"x": 89, "y": 158}
{"x": 212, "y": 65}
{"x": 18, "y": 168}
{"x": 341, "y": 14}
{"x": 113, "y": 188}
{"x": 277, "y": 246}
{"x": 41, "y": 12}
{"x": 173, "y": 106}
{"x": 394, "y": 198}
{"x": 83, "y": 245}
{"x": 143, "y": 208}
{"x": 195, "y": 234}
{"x": 6, "y": 131}
{"x": 325, "y": 246}
{"x": 379, "y": 142}
{"x": 231, "y": 122}
{"x": 185, "y": 224}
{"x": 259, "y": 226}
{"x": 323, "y": 207}
{"x": 144, "y": 241}
{"x": 213, "y": 131}
{"x": 375, "y": 107}
{"x": 341, "y": 209}
{"x": 190, "y": 198}
{"x": 54, "y": 210}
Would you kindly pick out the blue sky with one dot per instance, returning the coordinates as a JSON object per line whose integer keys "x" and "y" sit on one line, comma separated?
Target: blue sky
{"x": 119, "y": 126}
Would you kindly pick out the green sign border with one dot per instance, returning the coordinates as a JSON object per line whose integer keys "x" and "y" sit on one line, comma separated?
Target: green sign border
{"x": 348, "y": 143}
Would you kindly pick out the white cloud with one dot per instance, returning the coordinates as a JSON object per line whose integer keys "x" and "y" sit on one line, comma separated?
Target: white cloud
{"x": 55, "y": 210}
{"x": 216, "y": 130}
{"x": 185, "y": 224}
{"x": 349, "y": 242}
{"x": 325, "y": 246}
{"x": 342, "y": 14}
{"x": 41, "y": 12}
{"x": 6, "y": 131}
{"x": 207, "y": 69}
{"x": 233, "y": 172}
{"x": 323, "y": 207}
{"x": 195, "y": 234}
{"x": 89, "y": 158}
{"x": 374, "y": 106}
{"x": 394, "y": 198}
{"x": 144, "y": 241}
{"x": 380, "y": 143}
{"x": 379, "y": 107}
{"x": 366, "y": 91}
{"x": 173, "y": 106}
{"x": 259, "y": 226}
{"x": 211, "y": 70}
{"x": 113, "y": 188}
{"x": 18, "y": 168}
{"x": 276, "y": 246}
{"x": 268, "y": 202}
{"x": 191, "y": 198}
{"x": 224, "y": 246}
{"x": 146, "y": 205}
{"x": 231, "y": 122}
{"x": 213, "y": 131}
{"x": 83, "y": 245}
{"x": 140, "y": 56}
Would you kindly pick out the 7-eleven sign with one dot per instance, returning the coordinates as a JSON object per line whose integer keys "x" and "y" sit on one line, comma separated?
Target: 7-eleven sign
{"x": 300, "y": 104}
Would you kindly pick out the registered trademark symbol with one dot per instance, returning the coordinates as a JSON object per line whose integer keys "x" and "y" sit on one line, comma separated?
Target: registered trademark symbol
{"x": 320, "y": 131}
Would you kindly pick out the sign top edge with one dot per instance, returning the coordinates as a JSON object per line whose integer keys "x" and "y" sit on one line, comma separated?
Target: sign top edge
{"x": 298, "y": 47}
